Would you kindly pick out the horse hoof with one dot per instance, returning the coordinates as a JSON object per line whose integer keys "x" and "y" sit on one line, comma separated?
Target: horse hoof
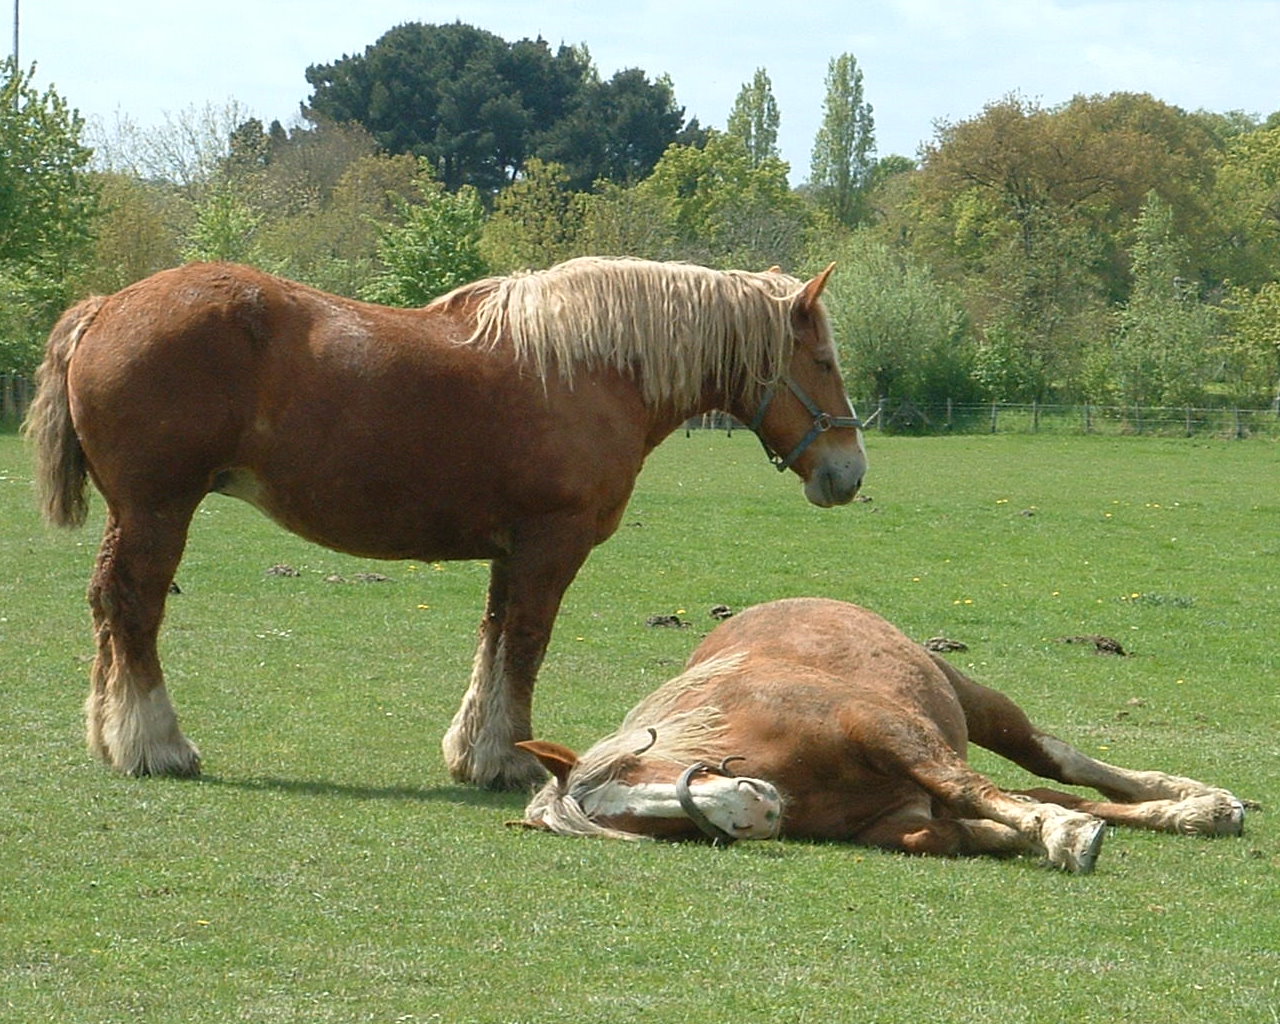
{"x": 1074, "y": 841}
{"x": 1225, "y": 816}
{"x": 1092, "y": 846}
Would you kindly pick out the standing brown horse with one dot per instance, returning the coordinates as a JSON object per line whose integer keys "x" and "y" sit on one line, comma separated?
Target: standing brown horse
{"x": 844, "y": 729}
{"x": 505, "y": 421}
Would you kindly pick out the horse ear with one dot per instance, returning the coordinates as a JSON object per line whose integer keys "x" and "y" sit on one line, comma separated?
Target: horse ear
{"x": 807, "y": 300}
{"x": 556, "y": 759}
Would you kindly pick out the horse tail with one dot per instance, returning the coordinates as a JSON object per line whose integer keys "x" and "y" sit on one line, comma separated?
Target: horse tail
{"x": 61, "y": 469}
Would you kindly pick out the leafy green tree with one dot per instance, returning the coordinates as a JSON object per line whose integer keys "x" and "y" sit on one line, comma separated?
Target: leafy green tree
{"x": 1034, "y": 211}
{"x": 471, "y": 104}
{"x": 434, "y": 248}
{"x": 535, "y": 222}
{"x": 618, "y": 220}
{"x": 331, "y": 241}
{"x": 1164, "y": 336}
{"x": 226, "y": 227}
{"x": 617, "y": 131}
{"x": 755, "y": 118}
{"x": 843, "y": 152}
{"x": 47, "y": 213}
{"x": 902, "y": 333}
{"x": 135, "y": 233}
{"x": 708, "y": 205}
{"x": 1251, "y": 351}
{"x": 1247, "y": 201}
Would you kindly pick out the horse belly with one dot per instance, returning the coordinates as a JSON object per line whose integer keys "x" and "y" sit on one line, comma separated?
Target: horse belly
{"x": 345, "y": 519}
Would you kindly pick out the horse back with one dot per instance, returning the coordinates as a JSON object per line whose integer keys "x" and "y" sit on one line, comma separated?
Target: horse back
{"x": 863, "y": 655}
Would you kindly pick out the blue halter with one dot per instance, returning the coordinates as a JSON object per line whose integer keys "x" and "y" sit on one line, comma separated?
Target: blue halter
{"x": 822, "y": 422}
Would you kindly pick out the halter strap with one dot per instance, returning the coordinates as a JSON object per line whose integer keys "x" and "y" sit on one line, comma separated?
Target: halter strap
{"x": 822, "y": 422}
{"x": 717, "y": 835}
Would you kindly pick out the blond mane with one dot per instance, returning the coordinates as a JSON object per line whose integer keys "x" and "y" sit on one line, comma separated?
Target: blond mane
{"x": 653, "y": 729}
{"x": 676, "y": 327}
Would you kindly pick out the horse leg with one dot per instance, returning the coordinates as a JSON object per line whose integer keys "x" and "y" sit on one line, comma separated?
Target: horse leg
{"x": 129, "y": 721}
{"x": 909, "y": 747}
{"x": 1196, "y": 815}
{"x": 1167, "y": 803}
{"x": 918, "y": 831}
{"x": 525, "y": 589}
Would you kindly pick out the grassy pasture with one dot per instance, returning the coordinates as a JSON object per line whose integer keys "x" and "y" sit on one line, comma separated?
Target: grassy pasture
{"x": 325, "y": 868}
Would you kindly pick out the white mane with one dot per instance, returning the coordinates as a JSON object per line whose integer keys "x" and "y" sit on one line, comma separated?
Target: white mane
{"x": 674, "y": 326}
{"x": 651, "y": 730}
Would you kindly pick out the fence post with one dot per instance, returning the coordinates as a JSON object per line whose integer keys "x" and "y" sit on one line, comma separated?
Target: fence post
{"x": 994, "y": 413}
{"x": 882, "y": 412}
{"x": 1188, "y": 421}
{"x": 1035, "y": 416}
{"x": 1088, "y": 424}
{"x": 948, "y": 413}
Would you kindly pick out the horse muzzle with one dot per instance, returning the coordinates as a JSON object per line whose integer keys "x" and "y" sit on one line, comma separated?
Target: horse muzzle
{"x": 836, "y": 481}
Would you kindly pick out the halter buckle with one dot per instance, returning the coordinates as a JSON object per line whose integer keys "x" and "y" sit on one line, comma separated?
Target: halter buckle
{"x": 822, "y": 422}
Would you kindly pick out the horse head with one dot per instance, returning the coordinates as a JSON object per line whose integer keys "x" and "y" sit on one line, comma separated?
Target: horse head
{"x": 804, "y": 419}
{"x": 633, "y": 797}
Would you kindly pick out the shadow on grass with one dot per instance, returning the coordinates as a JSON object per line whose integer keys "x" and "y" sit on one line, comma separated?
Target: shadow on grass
{"x": 453, "y": 794}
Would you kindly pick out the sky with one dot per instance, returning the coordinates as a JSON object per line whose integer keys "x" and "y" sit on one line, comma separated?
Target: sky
{"x": 923, "y": 61}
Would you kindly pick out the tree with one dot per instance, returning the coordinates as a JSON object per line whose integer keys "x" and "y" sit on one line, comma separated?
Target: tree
{"x": 478, "y": 109}
{"x": 434, "y": 249}
{"x": 226, "y": 228}
{"x": 617, "y": 131}
{"x": 901, "y": 332}
{"x": 1247, "y": 200}
{"x": 843, "y": 151}
{"x": 755, "y": 118}
{"x": 134, "y": 234}
{"x": 1034, "y": 210}
{"x": 332, "y": 242}
{"x": 707, "y": 205}
{"x": 474, "y": 106}
{"x": 190, "y": 149}
{"x": 1164, "y": 337}
{"x": 535, "y": 221}
{"x": 47, "y": 212}
{"x": 1251, "y": 351}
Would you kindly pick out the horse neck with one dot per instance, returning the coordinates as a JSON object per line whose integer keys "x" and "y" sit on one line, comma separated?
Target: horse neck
{"x": 665, "y": 419}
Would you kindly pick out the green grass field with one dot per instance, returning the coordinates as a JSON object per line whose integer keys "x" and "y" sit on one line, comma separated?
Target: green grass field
{"x": 325, "y": 868}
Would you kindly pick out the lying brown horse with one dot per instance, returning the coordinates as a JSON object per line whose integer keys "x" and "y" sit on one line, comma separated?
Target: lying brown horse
{"x": 505, "y": 421}
{"x": 818, "y": 719}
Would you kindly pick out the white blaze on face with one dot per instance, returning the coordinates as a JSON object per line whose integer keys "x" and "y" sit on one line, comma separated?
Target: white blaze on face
{"x": 744, "y": 808}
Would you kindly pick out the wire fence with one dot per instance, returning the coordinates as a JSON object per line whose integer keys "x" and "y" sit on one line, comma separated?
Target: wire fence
{"x": 1110, "y": 420}
{"x": 949, "y": 418}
